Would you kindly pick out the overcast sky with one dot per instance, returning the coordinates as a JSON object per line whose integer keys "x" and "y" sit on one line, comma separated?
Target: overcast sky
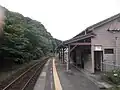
{"x": 65, "y": 18}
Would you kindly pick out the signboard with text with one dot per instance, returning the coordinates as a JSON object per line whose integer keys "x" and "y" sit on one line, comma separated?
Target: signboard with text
{"x": 98, "y": 48}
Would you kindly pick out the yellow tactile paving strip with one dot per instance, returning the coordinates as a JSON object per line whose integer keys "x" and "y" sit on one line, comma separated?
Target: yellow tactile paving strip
{"x": 56, "y": 78}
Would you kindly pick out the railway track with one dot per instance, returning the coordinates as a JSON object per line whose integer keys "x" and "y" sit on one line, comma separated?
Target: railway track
{"x": 27, "y": 79}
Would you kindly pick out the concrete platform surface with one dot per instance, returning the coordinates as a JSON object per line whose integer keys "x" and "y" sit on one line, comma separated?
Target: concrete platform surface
{"x": 45, "y": 80}
{"x": 74, "y": 79}
{"x": 55, "y": 77}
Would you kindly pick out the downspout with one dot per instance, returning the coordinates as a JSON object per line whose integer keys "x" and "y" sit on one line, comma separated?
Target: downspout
{"x": 115, "y": 52}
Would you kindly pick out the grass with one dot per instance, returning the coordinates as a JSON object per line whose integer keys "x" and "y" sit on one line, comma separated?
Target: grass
{"x": 113, "y": 77}
{"x": 114, "y": 88}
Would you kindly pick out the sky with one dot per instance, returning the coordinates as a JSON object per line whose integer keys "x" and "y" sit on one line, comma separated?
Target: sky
{"x": 65, "y": 18}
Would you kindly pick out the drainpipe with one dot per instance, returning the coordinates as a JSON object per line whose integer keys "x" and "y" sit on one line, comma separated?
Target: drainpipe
{"x": 115, "y": 51}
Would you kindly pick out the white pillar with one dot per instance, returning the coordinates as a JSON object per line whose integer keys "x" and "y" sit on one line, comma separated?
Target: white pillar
{"x": 92, "y": 55}
{"x": 68, "y": 58}
{"x": 67, "y": 62}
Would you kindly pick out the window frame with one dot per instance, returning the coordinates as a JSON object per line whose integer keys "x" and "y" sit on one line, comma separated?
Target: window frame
{"x": 108, "y": 51}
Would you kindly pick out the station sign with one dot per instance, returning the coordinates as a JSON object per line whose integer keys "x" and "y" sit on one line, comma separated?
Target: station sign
{"x": 98, "y": 48}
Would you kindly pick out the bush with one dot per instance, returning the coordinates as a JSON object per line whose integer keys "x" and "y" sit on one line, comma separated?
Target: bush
{"x": 19, "y": 61}
{"x": 114, "y": 88}
{"x": 113, "y": 76}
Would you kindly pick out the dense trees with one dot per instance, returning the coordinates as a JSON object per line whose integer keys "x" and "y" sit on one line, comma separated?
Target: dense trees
{"x": 24, "y": 39}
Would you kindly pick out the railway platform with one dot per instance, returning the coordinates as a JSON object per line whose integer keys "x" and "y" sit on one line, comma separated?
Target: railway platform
{"x": 55, "y": 77}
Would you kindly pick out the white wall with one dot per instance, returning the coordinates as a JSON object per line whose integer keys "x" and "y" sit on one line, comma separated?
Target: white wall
{"x": 107, "y": 40}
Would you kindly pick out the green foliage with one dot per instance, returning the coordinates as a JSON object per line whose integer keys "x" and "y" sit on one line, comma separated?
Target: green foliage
{"x": 25, "y": 39}
{"x": 113, "y": 76}
{"x": 114, "y": 88}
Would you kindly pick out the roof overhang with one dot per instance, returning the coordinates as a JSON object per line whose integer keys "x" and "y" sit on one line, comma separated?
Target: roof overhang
{"x": 79, "y": 44}
{"x": 70, "y": 41}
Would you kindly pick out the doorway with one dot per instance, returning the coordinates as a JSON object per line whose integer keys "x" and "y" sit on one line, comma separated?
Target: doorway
{"x": 98, "y": 58}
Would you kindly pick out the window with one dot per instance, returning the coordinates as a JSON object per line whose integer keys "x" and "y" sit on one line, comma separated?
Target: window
{"x": 108, "y": 51}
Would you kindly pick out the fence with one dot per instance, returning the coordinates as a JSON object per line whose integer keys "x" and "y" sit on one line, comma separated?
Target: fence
{"x": 108, "y": 66}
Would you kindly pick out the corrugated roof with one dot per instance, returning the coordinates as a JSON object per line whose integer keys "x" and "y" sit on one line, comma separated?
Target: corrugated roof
{"x": 90, "y": 28}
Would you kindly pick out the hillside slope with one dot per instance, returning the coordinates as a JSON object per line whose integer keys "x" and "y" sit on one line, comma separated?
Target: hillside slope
{"x": 24, "y": 39}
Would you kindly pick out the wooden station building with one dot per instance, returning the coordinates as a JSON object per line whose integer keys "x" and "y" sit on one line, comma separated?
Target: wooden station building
{"x": 95, "y": 49}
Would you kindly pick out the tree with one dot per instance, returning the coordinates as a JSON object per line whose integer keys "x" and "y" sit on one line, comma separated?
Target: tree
{"x": 25, "y": 39}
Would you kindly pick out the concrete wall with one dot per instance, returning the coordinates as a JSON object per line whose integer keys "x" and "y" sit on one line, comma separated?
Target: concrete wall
{"x": 88, "y": 63}
{"x": 107, "y": 40}
{"x": 78, "y": 56}
{"x": 87, "y": 57}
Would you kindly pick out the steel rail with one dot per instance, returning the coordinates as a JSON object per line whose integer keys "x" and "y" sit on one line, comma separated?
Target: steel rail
{"x": 32, "y": 76}
{"x": 5, "y": 88}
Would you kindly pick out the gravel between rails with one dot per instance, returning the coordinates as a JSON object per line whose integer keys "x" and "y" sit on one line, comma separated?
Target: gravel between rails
{"x": 11, "y": 78}
{"x": 32, "y": 82}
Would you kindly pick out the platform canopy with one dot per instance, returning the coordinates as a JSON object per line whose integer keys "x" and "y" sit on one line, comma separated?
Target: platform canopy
{"x": 74, "y": 40}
